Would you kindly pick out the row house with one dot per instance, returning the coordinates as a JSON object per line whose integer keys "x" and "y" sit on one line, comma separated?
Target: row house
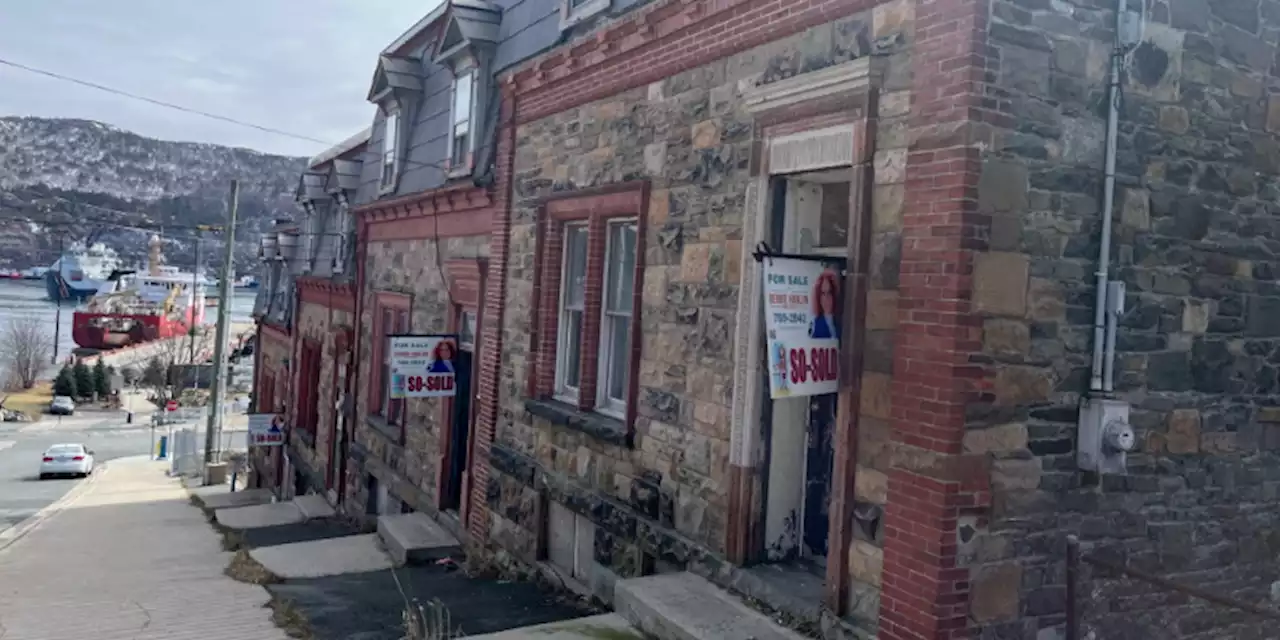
{"x": 1053, "y": 309}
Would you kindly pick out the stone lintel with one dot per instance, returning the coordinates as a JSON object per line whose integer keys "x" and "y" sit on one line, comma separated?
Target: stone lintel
{"x": 846, "y": 78}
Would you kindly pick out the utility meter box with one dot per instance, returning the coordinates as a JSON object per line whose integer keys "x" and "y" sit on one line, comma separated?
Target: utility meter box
{"x": 1104, "y": 435}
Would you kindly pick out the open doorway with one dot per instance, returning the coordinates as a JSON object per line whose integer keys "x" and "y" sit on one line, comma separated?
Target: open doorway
{"x": 460, "y": 415}
{"x": 810, "y": 218}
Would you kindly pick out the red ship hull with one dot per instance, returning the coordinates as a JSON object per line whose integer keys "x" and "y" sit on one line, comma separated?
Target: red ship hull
{"x": 106, "y": 331}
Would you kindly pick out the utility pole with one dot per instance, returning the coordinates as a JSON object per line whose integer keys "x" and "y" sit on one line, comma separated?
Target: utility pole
{"x": 57, "y": 318}
{"x": 196, "y": 299}
{"x": 224, "y": 318}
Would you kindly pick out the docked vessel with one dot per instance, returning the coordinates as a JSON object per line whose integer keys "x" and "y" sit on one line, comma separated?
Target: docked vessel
{"x": 78, "y": 273}
{"x": 131, "y": 307}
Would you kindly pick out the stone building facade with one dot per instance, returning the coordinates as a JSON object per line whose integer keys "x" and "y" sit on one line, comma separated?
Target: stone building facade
{"x": 424, "y": 257}
{"x": 271, "y": 380}
{"x": 973, "y": 136}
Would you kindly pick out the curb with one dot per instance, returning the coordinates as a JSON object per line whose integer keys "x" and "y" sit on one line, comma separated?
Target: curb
{"x": 15, "y": 533}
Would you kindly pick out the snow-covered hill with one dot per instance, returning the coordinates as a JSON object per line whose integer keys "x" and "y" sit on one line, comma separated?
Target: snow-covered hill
{"x": 65, "y": 175}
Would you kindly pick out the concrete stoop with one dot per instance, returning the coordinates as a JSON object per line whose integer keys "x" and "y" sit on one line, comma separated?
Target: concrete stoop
{"x": 328, "y": 557}
{"x": 685, "y": 606}
{"x": 415, "y": 538}
{"x": 218, "y": 497}
{"x": 300, "y": 509}
{"x": 609, "y": 626}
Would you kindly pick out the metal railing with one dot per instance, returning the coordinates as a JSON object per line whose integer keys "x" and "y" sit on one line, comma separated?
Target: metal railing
{"x": 1076, "y": 557}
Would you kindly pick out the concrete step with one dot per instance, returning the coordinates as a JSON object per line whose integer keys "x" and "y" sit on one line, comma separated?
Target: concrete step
{"x": 415, "y": 538}
{"x": 218, "y": 497}
{"x": 314, "y": 505}
{"x": 684, "y": 606}
{"x": 328, "y": 557}
{"x": 609, "y": 626}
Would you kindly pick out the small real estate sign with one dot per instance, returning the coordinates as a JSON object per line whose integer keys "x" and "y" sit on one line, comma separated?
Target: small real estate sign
{"x": 802, "y": 322}
{"x": 422, "y": 366}
{"x": 266, "y": 429}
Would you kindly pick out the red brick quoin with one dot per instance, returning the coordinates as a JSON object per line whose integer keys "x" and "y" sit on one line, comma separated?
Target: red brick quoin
{"x": 926, "y": 591}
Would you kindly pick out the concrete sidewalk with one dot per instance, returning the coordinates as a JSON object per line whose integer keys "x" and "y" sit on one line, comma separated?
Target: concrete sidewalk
{"x": 126, "y": 557}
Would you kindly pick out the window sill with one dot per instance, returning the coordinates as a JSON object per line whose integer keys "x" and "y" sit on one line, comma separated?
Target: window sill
{"x": 460, "y": 172}
{"x": 383, "y": 428}
{"x": 596, "y": 425}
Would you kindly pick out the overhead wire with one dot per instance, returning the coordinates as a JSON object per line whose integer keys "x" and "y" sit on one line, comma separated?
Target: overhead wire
{"x": 199, "y": 112}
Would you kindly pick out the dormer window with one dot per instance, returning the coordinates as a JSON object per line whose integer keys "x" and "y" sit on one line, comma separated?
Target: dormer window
{"x": 573, "y": 12}
{"x": 462, "y": 138}
{"x": 390, "y": 159}
{"x": 465, "y": 46}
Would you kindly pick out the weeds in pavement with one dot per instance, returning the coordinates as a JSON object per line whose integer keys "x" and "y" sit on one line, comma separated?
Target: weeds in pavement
{"x": 430, "y": 622}
{"x": 245, "y": 569}
{"x": 288, "y": 617}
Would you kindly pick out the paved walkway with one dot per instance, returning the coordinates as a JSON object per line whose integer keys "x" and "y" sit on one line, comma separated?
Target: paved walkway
{"x": 126, "y": 557}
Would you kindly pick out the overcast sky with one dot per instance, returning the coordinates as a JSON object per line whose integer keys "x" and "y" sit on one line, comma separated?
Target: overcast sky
{"x": 303, "y": 66}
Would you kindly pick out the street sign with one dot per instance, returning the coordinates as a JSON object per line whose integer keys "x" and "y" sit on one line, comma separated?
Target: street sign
{"x": 171, "y": 405}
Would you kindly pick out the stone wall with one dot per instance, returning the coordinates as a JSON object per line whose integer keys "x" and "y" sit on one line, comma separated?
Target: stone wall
{"x": 1196, "y": 245}
{"x": 410, "y": 472}
{"x": 665, "y": 499}
{"x": 320, "y": 323}
{"x": 273, "y": 357}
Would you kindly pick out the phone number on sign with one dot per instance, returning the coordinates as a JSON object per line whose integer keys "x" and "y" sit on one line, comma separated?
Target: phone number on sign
{"x": 819, "y": 364}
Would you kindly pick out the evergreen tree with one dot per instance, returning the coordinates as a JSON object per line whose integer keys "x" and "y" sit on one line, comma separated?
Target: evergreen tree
{"x": 65, "y": 383}
{"x": 101, "y": 379}
{"x": 84, "y": 379}
{"x": 155, "y": 374}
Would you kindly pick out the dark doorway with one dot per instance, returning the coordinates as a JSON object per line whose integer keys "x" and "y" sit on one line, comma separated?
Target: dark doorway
{"x": 819, "y": 460}
{"x": 371, "y": 495}
{"x": 460, "y": 432}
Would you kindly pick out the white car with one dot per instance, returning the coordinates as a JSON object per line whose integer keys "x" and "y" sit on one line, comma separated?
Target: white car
{"x": 66, "y": 460}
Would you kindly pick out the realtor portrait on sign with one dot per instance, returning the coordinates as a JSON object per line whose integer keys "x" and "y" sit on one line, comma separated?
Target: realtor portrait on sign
{"x": 442, "y": 358}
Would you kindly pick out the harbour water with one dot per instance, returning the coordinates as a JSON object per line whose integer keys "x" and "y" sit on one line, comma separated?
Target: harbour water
{"x": 28, "y": 297}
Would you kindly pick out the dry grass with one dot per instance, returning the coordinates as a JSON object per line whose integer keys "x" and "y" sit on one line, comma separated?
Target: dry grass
{"x": 288, "y": 617}
{"x": 245, "y": 569}
{"x": 32, "y": 402}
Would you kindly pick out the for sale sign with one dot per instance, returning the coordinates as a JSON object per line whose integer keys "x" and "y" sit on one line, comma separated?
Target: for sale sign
{"x": 422, "y": 366}
{"x": 802, "y": 319}
{"x": 266, "y": 429}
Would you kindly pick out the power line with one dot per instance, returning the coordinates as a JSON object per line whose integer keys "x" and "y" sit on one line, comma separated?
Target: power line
{"x": 161, "y": 103}
{"x": 206, "y": 114}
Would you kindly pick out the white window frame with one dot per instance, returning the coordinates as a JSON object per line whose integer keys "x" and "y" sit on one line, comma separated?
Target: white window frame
{"x": 563, "y": 391}
{"x": 605, "y": 403}
{"x": 571, "y": 15}
{"x": 390, "y": 165}
{"x": 463, "y": 164}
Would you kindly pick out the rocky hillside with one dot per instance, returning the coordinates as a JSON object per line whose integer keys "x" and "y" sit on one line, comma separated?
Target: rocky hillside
{"x": 93, "y": 182}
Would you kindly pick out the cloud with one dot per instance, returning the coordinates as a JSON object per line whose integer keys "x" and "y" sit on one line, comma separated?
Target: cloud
{"x": 294, "y": 65}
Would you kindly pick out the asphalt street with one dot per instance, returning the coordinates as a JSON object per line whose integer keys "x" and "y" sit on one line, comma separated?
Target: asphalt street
{"x": 22, "y": 493}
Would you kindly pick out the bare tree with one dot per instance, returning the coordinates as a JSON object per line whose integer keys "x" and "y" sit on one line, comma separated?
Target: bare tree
{"x": 158, "y": 373}
{"x": 26, "y": 346}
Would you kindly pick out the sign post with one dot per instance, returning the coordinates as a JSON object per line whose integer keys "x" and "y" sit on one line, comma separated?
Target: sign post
{"x": 422, "y": 366}
{"x": 802, "y": 318}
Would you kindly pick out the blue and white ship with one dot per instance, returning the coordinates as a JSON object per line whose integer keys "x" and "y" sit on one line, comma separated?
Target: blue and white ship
{"x": 79, "y": 272}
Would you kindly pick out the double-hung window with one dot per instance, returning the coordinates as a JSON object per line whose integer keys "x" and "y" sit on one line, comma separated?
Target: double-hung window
{"x": 615, "y": 325}
{"x": 390, "y": 157}
{"x": 588, "y": 277}
{"x": 462, "y": 127}
{"x": 573, "y": 310}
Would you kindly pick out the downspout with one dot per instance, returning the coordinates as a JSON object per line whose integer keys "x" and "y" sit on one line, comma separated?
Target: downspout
{"x": 1101, "y": 377}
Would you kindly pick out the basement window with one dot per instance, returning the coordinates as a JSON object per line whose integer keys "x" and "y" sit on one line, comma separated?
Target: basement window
{"x": 571, "y": 542}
